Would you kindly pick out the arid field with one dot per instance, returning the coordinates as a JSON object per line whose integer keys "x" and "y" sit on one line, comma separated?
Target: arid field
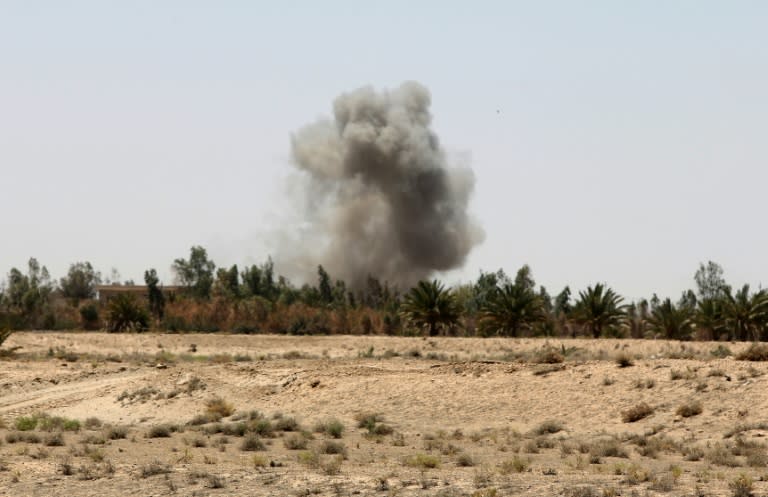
{"x": 92, "y": 414}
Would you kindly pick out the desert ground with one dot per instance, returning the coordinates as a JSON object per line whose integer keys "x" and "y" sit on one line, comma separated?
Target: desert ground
{"x": 93, "y": 414}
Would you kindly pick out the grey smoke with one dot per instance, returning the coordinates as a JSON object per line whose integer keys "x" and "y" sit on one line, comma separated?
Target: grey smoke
{"x": 381, "y": 198}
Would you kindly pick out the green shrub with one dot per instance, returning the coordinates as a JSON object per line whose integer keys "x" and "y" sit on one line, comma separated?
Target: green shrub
{"x": 26, "y": 423}
{"x": 125, "y": 313}
{"x": 331, "y": 427}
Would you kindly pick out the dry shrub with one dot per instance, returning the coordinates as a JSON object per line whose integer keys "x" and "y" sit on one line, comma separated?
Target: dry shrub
{"x": 549, "y": 426}
{"x": 755, "y": 352}
{"x": 548, "y": 355}
{"x": 217, "y": 408}
{"x": 624, "y": 360}
{"x": 636, "y": 413}
{"x": 692, "y": 408}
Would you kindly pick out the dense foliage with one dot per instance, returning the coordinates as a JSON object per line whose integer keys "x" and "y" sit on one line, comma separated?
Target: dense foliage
{"x": 256, "y": 300}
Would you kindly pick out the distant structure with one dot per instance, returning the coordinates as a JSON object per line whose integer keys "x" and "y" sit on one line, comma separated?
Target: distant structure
{"x": 106, "y": 292}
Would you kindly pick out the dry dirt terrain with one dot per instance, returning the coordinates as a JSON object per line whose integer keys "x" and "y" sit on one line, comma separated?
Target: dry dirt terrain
{"x": 91, "y": 414}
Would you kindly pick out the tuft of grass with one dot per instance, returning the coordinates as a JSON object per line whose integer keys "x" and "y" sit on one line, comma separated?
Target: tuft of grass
{"x": 465, "y": 460}
{"x": 331, "y": 447}
{"x": 331, "y": 427}
{"x": 688, "y": 409}
{"x": 548, "y": 355}
{"x": 217, "y": 408}
{"x": 741, "y": 486}
{"x": 26, "y": 423}
{"x": 423, "y": 461}
{"x": 636, "y": 413}
{"x": 251, "y": 443}
{"x": 624, "y": 360}
{"x": 549, "y": 426}
{"x": 154, "y": 468}
{"x": 295, "y": 441}
{"x": 287, "y": 424}
{"x": 116, "y": 432}
{"x": 55, "y": 440}
{"x": 162, "y": 431}
{"x": 515, "y": 465}
{"x": 308, "y": 458}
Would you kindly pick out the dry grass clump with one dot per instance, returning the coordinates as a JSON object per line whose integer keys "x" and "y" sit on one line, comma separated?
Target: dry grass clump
{"x": 688, "y": 409}
{"x": 217, "y": 408}
{"x": 741, "y": 486}
{"x": 610, "y": 447}
{"x": 333, "y": 448}
{"x": 296, "y": 441}
{"x": 548, "y": 355}
{"x": 755, "y": 352}
{"x": 624, "y": 360}
{"x": 154, "y": 468}
{"x": 251, "y": 443}
{"x": 677, "y": 374}
{"x": 55, "y": 440}
{"x": 116, "y": 432}
{"x": 162, "y": 431}
{"x": 549, "y": 426}
{"x": 13, "y": 437}
{"x": 636, "y": 413}
{"x": 720, "y": 455}
{"x": 515, "y": 465}
{"x": 423, "y": 461}
{"x": 644, "y": 383}
{"x": 286, "y": 423}
{"x": 331, "y": 427}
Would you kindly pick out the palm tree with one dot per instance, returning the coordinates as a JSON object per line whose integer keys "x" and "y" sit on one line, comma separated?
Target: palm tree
{"x": 671, "y": 321}
{"x": 510, "y": 309}
{"x": 429, "y": 305}
{"x": 599, "y": 308}
{"x": 746, "y": 314}
{"x": 708, "y": 317}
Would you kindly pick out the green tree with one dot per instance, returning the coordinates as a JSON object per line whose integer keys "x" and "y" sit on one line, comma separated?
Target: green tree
{"x": 80, "y": 281}
{"x": 154, "y": 294}
{"x": 259, "y": 281}
{"x": 673, "y": 322}
{"x": 599, "y": 308}
{"x": 709, "y": 281}
{"x": 511, "y": 309}
{"x": 228, "y": 282}
{"x": 324, "y": 286}
{"x": 709, "y": 317}
{"x": 429, "y": 305}
{"x": 745, "y": 315}
{"x": 196, "y": 274}
{"x": 28, "y": 294}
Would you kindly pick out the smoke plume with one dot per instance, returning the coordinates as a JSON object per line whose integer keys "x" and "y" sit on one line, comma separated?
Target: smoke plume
{"x": 380, "y": 197}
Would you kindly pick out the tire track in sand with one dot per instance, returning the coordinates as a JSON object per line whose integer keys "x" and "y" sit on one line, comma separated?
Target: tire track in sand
{"x": 56, "y": 396}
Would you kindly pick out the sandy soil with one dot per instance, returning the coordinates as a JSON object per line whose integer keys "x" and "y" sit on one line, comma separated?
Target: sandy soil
{"x": 472, "y": 407}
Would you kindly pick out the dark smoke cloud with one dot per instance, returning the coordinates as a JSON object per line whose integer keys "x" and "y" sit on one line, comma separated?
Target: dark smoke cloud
{"x": 381, "y": 198}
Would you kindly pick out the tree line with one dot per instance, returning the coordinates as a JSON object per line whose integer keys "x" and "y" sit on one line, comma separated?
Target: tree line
{"x": 255, "y": 299}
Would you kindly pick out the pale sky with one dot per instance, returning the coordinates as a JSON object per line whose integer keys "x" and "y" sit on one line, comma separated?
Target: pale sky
{"x": 617, "y": 142}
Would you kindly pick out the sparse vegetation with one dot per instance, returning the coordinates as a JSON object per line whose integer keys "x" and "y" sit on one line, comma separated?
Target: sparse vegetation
{"x": 636, "y": 413}
{"x": 688, "y": 409}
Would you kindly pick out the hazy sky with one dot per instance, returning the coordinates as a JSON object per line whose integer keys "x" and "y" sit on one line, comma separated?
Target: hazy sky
{"x": 611, "y": 141}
